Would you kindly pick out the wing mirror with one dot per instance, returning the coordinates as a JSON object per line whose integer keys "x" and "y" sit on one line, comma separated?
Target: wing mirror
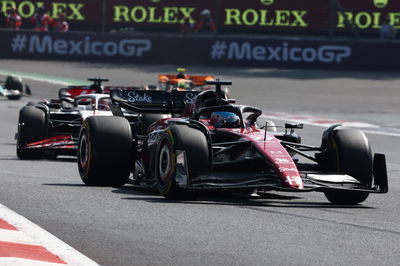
{"x": 292, "y": 126}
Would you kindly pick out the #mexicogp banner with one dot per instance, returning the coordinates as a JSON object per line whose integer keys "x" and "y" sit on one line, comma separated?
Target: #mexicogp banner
{"x": 261, "y": 16}
{"x": 227, "y": 50}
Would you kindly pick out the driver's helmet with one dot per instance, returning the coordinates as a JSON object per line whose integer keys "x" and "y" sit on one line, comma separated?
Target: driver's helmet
{"x": 103, "y": 104}
{"x": 183, "y": 85}
{"x": 225, "y": 120}
{"x": 180, "y": 75}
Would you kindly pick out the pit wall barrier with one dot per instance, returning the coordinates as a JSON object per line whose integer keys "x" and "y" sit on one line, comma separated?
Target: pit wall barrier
{"x": 214, "y": 50}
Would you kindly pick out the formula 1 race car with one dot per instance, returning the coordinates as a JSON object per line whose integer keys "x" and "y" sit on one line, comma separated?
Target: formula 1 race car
{"x": 182, "y": 81}
{"x": 51, "y": 128}
{"x": 14, "y": 89}
{"x": 211, "y": 144}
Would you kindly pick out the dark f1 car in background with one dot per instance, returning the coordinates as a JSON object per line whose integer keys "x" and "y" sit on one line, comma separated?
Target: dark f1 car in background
{"x": 51, "y": 128}
{"x": 13, "y": 88}
{"x": 209, "y": 143}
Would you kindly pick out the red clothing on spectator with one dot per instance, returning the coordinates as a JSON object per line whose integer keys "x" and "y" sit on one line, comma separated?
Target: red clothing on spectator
{"x": 206, "y": 22}
{"x": 13, "y": 20}
{"x": 41, "y": 21}
{"x": 60, "y": 24}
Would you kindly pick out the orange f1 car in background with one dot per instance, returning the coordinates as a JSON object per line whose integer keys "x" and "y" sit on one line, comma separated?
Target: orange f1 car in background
{"x": 183, "y": 82}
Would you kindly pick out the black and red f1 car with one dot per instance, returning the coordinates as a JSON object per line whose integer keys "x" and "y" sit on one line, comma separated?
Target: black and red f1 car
{"x": 210, "y": 143}
{"x": 50, "y": 128}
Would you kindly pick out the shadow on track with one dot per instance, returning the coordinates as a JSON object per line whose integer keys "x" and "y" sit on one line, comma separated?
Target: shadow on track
{"x": 64, "y": 185}
{"x": 58, "y": 159}
{"x": 230, "y": 199}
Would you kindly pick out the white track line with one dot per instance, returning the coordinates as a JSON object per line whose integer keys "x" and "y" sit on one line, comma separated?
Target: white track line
{"x": 25, "y": 262}
{"x": 43, "y": 238}
{"x": 42, "y": 78}
{"x": 321, "y": 122}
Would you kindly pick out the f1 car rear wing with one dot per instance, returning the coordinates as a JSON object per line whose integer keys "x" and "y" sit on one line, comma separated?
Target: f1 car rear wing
{"x": 151, "y": 101}
{"x": 74, "y": 91}
{"x": 196, "y": 79}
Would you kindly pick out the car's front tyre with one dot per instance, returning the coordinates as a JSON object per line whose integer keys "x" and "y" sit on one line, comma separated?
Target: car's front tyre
{"x": 195, "y": 147}
{"x": 347, "y": 151}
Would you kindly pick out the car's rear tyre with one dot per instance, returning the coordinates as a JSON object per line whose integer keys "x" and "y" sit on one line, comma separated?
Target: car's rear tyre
{"x": 106, "y": 151}
{"x": 31, "y": 128}
{"x": 194, "y": 144}
{"x": 350, "y": 153}
{"x": 14, "y": 83}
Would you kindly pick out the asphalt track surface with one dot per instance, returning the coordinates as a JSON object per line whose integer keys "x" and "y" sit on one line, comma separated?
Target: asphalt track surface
{"x": 126, "y": 226}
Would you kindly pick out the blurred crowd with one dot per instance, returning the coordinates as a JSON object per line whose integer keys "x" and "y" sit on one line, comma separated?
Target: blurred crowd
{"x": 40, "y": 21}
{"x": 205, "y": 24}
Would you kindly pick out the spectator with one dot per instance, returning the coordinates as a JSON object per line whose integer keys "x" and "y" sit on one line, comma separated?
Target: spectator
{"x": 41, "y": 20}
{"x": 206, "y": 22}
{"x": 2, "y": 19}
{"x": 60, "y": 24}
{"x": 387, "y": 31}
{"x": 13, "y": 20}
{"x": 186, "y": 26}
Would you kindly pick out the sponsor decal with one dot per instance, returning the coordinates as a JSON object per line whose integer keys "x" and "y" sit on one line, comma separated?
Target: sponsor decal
{"x": 293, "y": 180}
{"x": 260, "y": 138}
{"x": 134, "y": 97}
{"x": 282, "y": 53}
{"x": 26, "y": 9}
{"x": 281, "y": 160}
{"x": 86, "y": 46}
{"x": 368, "y": 20}
{"x": 265, "y": 17}
{"x": 286, "y": 169}
{"x": 189, "y": 98}
{"x": 152, "y": 14}
{"x": 303, "y": 15}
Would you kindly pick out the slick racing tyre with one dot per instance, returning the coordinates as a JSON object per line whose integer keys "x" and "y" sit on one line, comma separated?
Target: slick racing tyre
{"x": 31, "y": 128}
{"x": 349, "y": 153}
{"x": 14, "y": 83}
{"x": 195, "y": 147}
{"x": 106, "y": 151}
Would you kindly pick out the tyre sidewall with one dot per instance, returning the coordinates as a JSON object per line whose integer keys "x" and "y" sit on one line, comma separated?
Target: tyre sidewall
{"x": 110, "y": 151}
{"x": 166, "y": 183}
{"x": 351, "y": 155}
{"x": 32, "y": 127}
